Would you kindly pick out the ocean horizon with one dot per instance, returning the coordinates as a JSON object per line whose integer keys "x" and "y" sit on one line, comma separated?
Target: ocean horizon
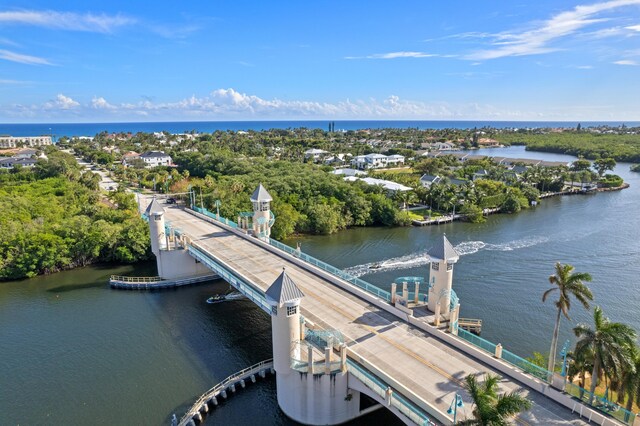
{"x": 90, "y": 129}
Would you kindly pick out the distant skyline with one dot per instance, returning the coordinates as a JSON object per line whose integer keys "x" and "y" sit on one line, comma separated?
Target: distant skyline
{"x": 88, "y": 61}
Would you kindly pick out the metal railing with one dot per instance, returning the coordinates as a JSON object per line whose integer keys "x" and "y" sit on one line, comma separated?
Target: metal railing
{"x": 601, "y": 404}
{"x": 256, "y": 368}
{"x": 379, "y": 387}
{"x": 477, "y": 341}
{"x": 243, "y": 286}
{"x": 368, "y": 287}
{"x": 124, "y": 279}
{"x": 220, "y": 219}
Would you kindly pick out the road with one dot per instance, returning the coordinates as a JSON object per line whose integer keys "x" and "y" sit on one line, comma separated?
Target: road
{"x": 432, "y": 369}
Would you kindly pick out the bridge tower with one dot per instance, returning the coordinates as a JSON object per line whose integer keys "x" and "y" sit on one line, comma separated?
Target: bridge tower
{"x": 262, "y": 216}
{"x": 155, "y": 213}
{"x": 442, "y": 257}
{"x": 284, "y": 297}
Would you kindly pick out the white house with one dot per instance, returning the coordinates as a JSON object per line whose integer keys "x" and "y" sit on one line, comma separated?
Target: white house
{"x": 376, "y": 161}
{"x": 13, "y": 142}
{"x": 390, "y": 186}
{"x": 155, "y": 158}
{"x": 314, "y": 154}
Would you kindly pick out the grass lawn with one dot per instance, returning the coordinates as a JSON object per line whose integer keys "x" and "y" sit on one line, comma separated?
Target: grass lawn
{"x": 422, "y": 213}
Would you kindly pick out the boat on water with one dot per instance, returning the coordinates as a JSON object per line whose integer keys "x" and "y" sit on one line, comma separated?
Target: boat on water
{"x": 376, "y": 266}
{"x": 224, "y": 297}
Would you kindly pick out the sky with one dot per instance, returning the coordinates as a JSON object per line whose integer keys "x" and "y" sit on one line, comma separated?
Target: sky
{"x": 97, "y": 61}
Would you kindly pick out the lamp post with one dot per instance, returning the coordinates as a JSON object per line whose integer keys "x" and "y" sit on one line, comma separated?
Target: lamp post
{"x": 563, "y": 353}
{"x": 453, "y": 408}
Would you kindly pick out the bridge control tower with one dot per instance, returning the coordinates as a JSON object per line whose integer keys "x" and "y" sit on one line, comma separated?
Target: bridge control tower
{"x": 262, "y": 216}
{"x": 155, "y": 213}
{"x": 442, "y": 257}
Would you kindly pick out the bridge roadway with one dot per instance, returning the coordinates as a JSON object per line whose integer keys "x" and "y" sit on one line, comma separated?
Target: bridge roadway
{"x": 429, "y": 367}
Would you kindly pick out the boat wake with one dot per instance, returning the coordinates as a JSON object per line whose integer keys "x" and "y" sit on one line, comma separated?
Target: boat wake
{"x": 414, "y": 260}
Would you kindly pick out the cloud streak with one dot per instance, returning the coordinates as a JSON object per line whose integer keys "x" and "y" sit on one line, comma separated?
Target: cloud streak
{"x": 394, "y": 55}
{"x": 88, "y": 22}
{"x": 627, "y": 62}
{"x": 8, "y": 55}
{"x": 536, "y": 41}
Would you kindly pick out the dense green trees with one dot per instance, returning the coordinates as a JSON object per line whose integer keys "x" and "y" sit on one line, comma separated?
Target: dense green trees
{"x": 54, "y": 219}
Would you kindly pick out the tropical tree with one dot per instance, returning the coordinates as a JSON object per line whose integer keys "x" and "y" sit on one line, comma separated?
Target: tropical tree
{"x": 630, "y": 382}
{"x": 581, "y": 364}
{"x": 490, "y": 408}
{"x": 612, "y": 344}
{"x": 568, "y": 284}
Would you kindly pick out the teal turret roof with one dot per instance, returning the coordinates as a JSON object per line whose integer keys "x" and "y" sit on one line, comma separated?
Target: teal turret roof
{"x": 261, "y": 194}
{"x": 443, "y": 251}
{"x": 154, "y": 208}
{"x": 283, "y": 290}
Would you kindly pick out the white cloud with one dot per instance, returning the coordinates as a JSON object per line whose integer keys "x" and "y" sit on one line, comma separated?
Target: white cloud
{"x": 584, "y": 67}
{"x": 61, "y": 102}
{"x": 535, "y": 41}
{"x": 101, "y": 103}
{"x": 99, "y": 23}
{"x": 627, "y": 62}
{"x": 22, "y": 59}
{"x": 634, "y": 28}
{"x": 394, "y": 55}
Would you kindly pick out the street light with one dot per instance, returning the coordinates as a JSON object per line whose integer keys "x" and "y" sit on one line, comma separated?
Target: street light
{"x": 453, "y": 408}
{"x": 563, "y": 353}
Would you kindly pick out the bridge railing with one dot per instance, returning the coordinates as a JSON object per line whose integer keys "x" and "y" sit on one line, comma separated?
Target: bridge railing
{"x": 368, "y": 287}
{"x": 379, "y": 387}
{"x": 220, "y": 219}
{"x": 243, "y": 286}
{"x": 599, "y": 403}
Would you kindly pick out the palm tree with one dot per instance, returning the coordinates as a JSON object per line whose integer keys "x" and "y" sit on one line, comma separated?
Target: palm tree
{"x": 581, "y": 363}
{"x": 612, "y": 344}
{"x": 489, "y": 408}
{"x": 568, "y": 283}
{"x": 630, "y": 382}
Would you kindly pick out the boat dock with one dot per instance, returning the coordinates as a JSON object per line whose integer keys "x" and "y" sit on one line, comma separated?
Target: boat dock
{"x": 155, "y": 283}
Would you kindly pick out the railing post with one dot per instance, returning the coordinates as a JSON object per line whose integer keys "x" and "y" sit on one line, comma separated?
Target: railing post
{"x": 310, "y": 359}
{"x": 498, "y": 353}
{"x": 405, "y": 292}
{"x": 327, "y": 359}
{"x": 387, "y": 396}
{"x": 393, "y": 293}
{"x": 416, "y": 296}
{"x": 343, "y": 357}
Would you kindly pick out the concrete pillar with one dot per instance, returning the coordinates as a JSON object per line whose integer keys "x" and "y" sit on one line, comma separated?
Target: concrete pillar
{"x": 498, "y": 350}
{"x": 327, "y": 359}
{"x": 310, "y": 358}
{"x": 416, "y": 297}
{"x": 387, "y": 396}
{"x": 436, "y": 322}
{"x": 343, "y": 357}
{"x": 393, "y": 293}
{"x": 242, "y": 384}
{"x": 302, "y": 328}
{"x": 405, "y": 292}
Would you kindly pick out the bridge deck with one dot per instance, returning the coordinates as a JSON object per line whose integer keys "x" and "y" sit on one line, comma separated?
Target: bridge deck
{"x": 429, "y": 367}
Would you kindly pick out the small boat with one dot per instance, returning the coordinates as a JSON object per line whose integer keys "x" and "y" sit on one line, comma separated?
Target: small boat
{"x": 217, "y": 298}
{"x": 225, "y": 297}
{"x": 376, "y": 266}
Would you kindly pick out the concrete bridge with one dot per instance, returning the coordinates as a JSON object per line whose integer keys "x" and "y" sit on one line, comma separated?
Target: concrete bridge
{"x": 336, "y": 340}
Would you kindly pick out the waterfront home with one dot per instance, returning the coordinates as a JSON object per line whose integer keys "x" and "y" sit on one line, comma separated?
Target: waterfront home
{"x": 480, "y": 174}
{"x": 129, "y": 158}
{"x": 488, "y": 143}
{"x": 155, "y": 158}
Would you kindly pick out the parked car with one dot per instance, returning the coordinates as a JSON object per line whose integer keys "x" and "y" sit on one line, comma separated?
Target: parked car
{"x": 170, "y": 201}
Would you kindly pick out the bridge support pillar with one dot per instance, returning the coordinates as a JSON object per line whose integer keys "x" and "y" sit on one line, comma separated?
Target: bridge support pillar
{"x": 405, "y": 291}
{"x": 327, "y": 360}
{"x": 343, "y": 357}
{"x": 416, "y": 296}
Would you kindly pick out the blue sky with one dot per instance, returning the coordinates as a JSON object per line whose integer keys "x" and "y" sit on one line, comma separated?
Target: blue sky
{"x": 248, "y": 60}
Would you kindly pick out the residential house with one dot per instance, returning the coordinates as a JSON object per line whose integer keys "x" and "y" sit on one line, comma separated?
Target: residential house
{"x": 314, "y": 154}
{"x": 10, "y": 162}
{"x": 155, "y": 158}
{"x": 13, "y": 142}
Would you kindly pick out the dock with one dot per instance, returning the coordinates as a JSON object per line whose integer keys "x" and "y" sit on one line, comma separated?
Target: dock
{"x": 155, "y": 283}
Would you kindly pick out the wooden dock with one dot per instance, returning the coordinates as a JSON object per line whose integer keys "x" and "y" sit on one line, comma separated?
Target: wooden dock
{"x": 471, "y": 325}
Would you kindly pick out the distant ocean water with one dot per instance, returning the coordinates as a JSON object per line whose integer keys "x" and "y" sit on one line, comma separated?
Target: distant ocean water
{"x": 91, "y": 129}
